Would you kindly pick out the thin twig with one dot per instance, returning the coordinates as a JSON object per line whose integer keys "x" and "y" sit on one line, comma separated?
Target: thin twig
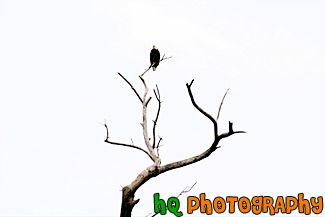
{"x": 184, "y": 191}
{"x": 158, "y": 146}
{"x": 222, "y": 103}
{"x": 157, "y": 94}
{"x": 135, "y": 91}
{"x": 165, "y": 58}
{"x": 107, "y": 135}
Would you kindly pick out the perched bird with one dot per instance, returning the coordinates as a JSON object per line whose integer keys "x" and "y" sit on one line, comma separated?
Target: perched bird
{"x": 154, "y": 58}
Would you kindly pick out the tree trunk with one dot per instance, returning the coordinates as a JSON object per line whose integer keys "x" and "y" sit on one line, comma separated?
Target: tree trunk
{"x": 127, "y": 202}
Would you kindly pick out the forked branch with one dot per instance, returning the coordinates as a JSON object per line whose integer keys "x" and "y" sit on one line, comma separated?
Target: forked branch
{"x": 144, "y": 121}
{"x": 213, "y": 146}
{"x": 230, "y": 132}
{"x": 144, "y": 103}
{"x": 165, "y": 58}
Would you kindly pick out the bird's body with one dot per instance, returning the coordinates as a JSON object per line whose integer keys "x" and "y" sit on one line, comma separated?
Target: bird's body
{"x": 154, "y": 58}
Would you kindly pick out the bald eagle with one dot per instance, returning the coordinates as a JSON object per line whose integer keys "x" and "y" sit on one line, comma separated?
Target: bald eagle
{"x": 154, "y": 58}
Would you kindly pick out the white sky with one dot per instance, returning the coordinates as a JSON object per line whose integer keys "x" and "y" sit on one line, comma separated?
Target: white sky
{"x": 58, "y": 79}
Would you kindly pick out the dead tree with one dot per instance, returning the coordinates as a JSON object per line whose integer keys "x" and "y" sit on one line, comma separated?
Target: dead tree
{"x": 152, "y": 147}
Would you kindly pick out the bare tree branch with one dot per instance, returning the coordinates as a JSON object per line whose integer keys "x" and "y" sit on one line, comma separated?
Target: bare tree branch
{"x": 188, "y": 161}
{"x": 201, "y": 110}
{"x": 146, "y": 89}
{"x": 126, "y": 145}
{"x": 144, "y": 102}
{"x": 144, "y": 120}
{"x": 207, "y": 152}
{"x": 135, "y": 91}
{"x": 157, "y": 94}
{"x": 222, "y": 103}
{"x": 147, "y": 70}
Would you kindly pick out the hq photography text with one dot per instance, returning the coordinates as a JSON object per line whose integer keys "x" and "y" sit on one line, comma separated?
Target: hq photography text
{"x": 256, "y": 205}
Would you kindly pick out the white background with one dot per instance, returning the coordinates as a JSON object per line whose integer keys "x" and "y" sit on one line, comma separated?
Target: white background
{"x": 58, "y": 80}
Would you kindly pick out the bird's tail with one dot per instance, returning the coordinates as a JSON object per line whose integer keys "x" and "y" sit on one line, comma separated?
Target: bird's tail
{"x": 154, "y": 68}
